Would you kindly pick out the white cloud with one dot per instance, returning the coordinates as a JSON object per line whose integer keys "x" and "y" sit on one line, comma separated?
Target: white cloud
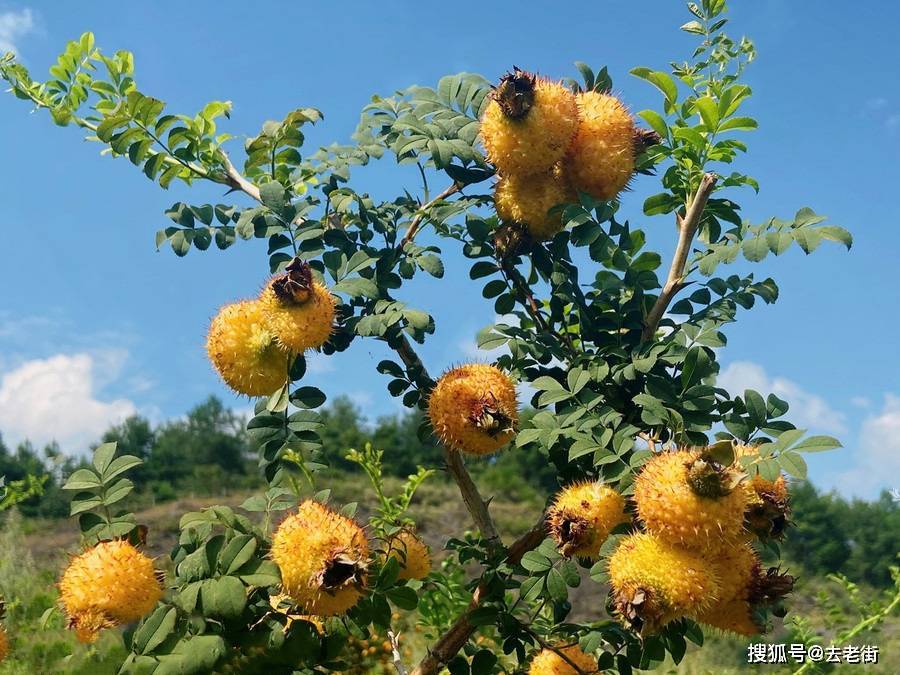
{"x": 318, "y": 363}
{"x": 860, "y": 401}
{"x": 877, "y": 458}
{"x": 807, "y": 410}
{"x": 56, "y": 399}
{"x": 14, "y": 25}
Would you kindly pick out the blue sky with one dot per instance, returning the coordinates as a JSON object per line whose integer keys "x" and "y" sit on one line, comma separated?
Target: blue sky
{"x": 95, "y": 324}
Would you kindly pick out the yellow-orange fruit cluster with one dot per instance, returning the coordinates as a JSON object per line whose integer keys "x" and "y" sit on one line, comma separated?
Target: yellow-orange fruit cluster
{"x": 412, "y": 554}
{"x": 244, "y": 351}
{"x": 685, "y": 501}
{"x": 528, "y": 199}
{"x": 108, "y": 585}
{"x": 582, "y": 517}
{"x": 473, "y": 408}
{"x": 529, "y": 123}
{"x": 548, "y": 662}
{"x": 654, "y": 583}
{"x": 4, "y": 644}
{"x": 768, "y": 508}
{"x": 602, "y": 156}
{"x": 251, "y": 343}
{"x": 322, "y": 556}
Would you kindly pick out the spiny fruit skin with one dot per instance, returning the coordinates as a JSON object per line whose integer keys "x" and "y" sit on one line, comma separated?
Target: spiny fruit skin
{"x": 244, "y": 351}
{"x": 768, "y": 510}
{"x": 737, "y": 566}
{"x": 322, "y": 556}
{"x": 110, "y": 584}
{"x": 733, "y": 616}
{"x": 548, "y": 662}
{"x": 298, "y": 309}
{"x": 412, "y": 554}
{"x": 473, "y": 408}
{"x": 601, "y": 158}
{"x": 654, "y": 582}
{"x": 4, "y": 644}
{"x": 528, "y": 198}
{"x": 582, "y": 517}
{"x": 671, "y": 509}
{"x": 529, "y": 124}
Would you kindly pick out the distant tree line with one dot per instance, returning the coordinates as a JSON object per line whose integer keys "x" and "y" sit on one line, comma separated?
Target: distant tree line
{"x": 207, "y": 452}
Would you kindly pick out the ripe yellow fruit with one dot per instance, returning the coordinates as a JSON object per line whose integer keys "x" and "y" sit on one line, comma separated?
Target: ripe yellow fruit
{"x": 322, "y": 556}
{"x": 527, "y": 200}
{"x": 299, "y": 311}
{"x": 244, "y": 351}
{"x": 688, "y": 500}
{"x": 529, "y": 123}
{"x": 548, "y": 662}
{"x": 582, "y": 516}
{"x": 108, "y": 585}
{"x": 737, "y": 566}
{"x": 4, "y": 644}
{"x": 654, "y": 582}
{"x": 601, "y": 159}
{"x": 412, "y": 553}
{"x": 473, "y": 408}
{"x": 733, "y": 616}
{"x": 769, "y": 510}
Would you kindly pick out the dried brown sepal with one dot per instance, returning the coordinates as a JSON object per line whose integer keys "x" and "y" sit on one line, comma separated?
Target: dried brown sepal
{"x": 295, "y": 284}
{"x": 569, "y": 531}
{"x": 709, "y": 478}
{"x": 515, "y": 93}
{"x": 639, "y": 611}
{"x": 769, "y": 517}
{"x": 510, "y": 240}
{"x": 487, "y": 416}
{"x": 340, "y": 571}
{"x": 767, "y": 589}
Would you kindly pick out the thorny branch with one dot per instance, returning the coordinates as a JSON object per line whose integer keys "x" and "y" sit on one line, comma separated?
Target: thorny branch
{"x": 687, "y": 228}
{"x": 423, "y": 211}
{"x": 395, "y": 650}
{"x": 453, "y": 640}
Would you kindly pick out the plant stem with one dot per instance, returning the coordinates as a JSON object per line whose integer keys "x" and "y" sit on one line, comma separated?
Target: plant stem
{"x": 423, "y": 211}
{"x": 449, "y": 644}
{"x": 687, "y": 228}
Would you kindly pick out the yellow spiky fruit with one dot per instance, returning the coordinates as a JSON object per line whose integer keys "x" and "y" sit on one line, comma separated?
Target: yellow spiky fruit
{"x": 412, "y": 554}
{"x": 298, "y": 309}
{"x": 768, "y": 510}
{"x": 322, "y": 556}
{"x": 527, "y": 199}
{"x": 737, "y": 566}
{"x": 529, "y": 123}
{"x": 473, "y": 408}
{"x": 733, "y": 616}
{"x": 4, "y": 644}
{"x": 582, "y": 517}
{"x": 548, "y": 662}
{"x": 243, "y": 350}
{"x": 108, "y": 585}
{"x": 601, "y": 159}
{"x": 654, "y": 582}
{"x": 688, "y": 500}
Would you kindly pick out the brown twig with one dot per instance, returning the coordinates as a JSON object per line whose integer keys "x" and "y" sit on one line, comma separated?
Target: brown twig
{"x": 449, "y": 644}
{"x": 476, "y": 505}
{"x": 423, "y": 211}
{"x": 687, "y": 228}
